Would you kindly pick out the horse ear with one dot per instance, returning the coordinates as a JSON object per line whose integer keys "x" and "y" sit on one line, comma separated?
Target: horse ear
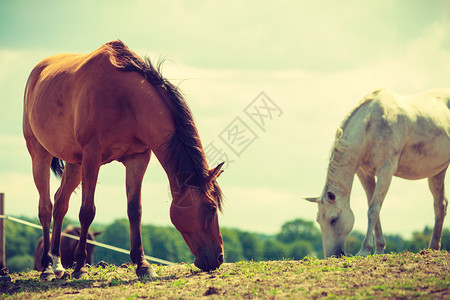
{"x": 313, "y": 199}
{"x": 214, "y": 173}
{"x": 98, "y": 233}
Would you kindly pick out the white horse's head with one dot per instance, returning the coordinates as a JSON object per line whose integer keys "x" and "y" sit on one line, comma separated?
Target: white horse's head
{"x": 336, "y": 221}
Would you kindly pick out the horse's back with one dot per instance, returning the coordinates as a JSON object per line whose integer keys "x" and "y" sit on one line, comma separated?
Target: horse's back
{"x": 424, "y": 112}
{"x": 436, "y": 103}
{"x": 87, "y": 98}
{"x": 414, "y": 128}
{"x": 57, "y": 79}
{"x": 52, "y": 95}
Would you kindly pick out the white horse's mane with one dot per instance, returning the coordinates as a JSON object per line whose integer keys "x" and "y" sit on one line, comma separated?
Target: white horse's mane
{"x": 343, "y": 153}
{"x": 341, "y": 156}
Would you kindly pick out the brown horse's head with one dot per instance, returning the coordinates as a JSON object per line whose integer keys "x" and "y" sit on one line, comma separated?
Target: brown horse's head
{"x": 194, "y": 212}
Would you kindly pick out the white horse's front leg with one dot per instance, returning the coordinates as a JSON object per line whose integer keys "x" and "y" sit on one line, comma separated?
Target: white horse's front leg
{"x": 384, "y": 178}
{"x": 380, "y": 242}
{"x": 368, "y": 183}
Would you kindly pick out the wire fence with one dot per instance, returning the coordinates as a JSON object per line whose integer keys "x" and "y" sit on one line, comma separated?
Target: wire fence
{"x": 113, "y": 248}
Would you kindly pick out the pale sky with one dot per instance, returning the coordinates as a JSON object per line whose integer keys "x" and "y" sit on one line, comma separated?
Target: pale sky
{"x": 313, "y": 59}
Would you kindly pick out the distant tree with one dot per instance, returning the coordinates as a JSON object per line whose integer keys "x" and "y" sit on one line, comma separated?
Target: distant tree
{"x": 158, "y": 241}
{"x": 232, "y": 245}
{"x": 251, "y": 245}
{"x": 166, "y": 243}
{"x": 420, "y": 240}
{"x": 299, "y": 249}
{"x": 20, "y": 263}
{"x": 445, "y": 239}
{"x": 353, "y": 243}
{"x": 299, "y": 229}
{"x": 116, "y": 234}
{"x": 20, "y": 239}
{"x": 394, "y": 243}
{"x": 274, "y": 250}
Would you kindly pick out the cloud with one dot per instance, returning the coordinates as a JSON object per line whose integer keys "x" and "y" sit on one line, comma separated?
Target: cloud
{"x": 8, "y": 59}
{"x": 258, "y": 35}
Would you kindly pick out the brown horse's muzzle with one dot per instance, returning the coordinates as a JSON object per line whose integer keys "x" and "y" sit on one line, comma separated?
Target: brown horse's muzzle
{"x": 208, "y": 261}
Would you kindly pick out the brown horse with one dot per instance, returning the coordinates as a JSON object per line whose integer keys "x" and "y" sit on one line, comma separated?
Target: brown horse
{"x": 91, "y": 109}
{"x": 68, "y": 246}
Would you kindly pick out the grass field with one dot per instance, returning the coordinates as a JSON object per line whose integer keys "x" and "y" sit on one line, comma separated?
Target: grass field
{"x": 403, "y": 276}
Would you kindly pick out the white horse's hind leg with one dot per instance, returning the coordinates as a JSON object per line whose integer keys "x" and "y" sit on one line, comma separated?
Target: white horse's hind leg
{"x": 436, "y": 184}
{"x": 368, "y": 183}
{"x": 384, "y": 178}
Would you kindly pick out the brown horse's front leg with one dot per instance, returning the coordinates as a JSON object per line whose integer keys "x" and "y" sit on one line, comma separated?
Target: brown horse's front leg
{"x": 144, "y": 269}
{"x": 135, "y": 170}
{"x": 90, "y": 166}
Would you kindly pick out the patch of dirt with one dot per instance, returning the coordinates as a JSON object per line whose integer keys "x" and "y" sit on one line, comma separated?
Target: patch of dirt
{"x": 211, "y": 291}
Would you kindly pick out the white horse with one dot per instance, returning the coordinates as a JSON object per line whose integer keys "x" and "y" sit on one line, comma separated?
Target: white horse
{"x": 385, "y": 135}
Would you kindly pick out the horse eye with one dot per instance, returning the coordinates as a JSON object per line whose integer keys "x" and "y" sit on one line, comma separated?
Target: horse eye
{"x": 212, "y": 209}
{"x": 334, "y": 221}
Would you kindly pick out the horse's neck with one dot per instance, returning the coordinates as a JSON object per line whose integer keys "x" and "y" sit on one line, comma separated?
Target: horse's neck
{"x": 173, "y": 138}
{"x": 348, "y": 147}
{"x": 342, "y": 169}
{"x": 178, "y": 179}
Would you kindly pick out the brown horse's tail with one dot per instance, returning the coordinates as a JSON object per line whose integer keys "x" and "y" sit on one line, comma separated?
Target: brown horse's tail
{"x": 57, "y": 167}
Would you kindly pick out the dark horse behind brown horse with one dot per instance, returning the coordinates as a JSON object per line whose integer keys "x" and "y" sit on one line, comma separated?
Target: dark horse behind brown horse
{"x": 90, "y": 109}
{"x": 67, "y": 246}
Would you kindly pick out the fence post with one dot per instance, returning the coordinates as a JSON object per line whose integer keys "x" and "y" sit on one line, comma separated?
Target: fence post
{"x": 3, "y": 269}
{"x": 2, "y": 231}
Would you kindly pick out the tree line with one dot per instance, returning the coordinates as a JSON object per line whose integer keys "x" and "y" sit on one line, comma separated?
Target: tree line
{"x": 295, "y": 240}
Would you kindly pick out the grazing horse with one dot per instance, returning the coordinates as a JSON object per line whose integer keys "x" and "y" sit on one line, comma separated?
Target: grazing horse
{"x": 385, "y": 135}
{"x": 68, "y": 246}
{"x": 90, "y": 109}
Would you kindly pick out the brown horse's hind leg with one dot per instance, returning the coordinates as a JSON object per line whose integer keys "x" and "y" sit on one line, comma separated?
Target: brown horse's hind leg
{"x": 135, "y": 170}
{"x": 436, "y": 185}
{"x": 70, "y": 180}
{"x": 41, "y": 161}
{"x": 90, "y": 166}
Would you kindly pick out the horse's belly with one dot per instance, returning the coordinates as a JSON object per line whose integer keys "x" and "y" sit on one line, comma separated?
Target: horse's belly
{"x": 56, "y": 138}
{"x": 68, "y": 150}
{"x": 423, "y": 160}
{"x": 419, "y": 171}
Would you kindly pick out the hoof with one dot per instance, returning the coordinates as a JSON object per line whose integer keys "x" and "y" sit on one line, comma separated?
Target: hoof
{"x": 59, "y": 274}
{"x": 82, "y": 273}
{"x": 144, "y": 273}
{"x": 65, "y": 276}
{"x": 363, "y": 253}
{"x": 47, "y": 274}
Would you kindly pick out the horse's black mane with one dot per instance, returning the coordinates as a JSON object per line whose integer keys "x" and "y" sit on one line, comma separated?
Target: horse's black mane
{"x": 184, "y": 150}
